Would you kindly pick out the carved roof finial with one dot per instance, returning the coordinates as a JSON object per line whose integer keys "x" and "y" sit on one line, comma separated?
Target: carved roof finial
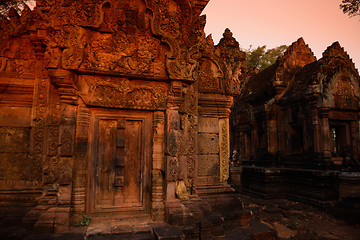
{"x": 227, "y": 33}
{"x": 301, "y": 41}
{"x": 335, "y": 50}
{"x": 299, "y": 47}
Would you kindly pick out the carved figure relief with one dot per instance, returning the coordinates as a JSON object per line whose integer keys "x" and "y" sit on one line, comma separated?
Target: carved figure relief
{"x": 210, "y": 76}
{"x": 18, "y": 57}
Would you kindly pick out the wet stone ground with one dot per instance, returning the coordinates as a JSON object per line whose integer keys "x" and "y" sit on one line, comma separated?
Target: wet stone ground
{"x": 298, "y": 221}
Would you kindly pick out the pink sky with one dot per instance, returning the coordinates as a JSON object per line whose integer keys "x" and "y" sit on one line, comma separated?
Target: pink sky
{"x": 276, "y": 22}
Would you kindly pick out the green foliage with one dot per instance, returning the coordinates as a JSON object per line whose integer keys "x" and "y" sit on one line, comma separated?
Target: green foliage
{"x": 295, "y": 223}
{"x": 350, "y": 7}
{"x": 84, "y": 222}
{"x": 260, "y": 58}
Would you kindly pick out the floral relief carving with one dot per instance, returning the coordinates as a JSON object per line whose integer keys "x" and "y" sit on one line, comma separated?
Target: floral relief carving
{"x": 57, "y": 170}
{"x": 113, "y": 92}
{"x": 37, "y": 150}
{"x": 172, "y": 168}
{"x": 67, "y": 140}
{"x": 224, "y": 148}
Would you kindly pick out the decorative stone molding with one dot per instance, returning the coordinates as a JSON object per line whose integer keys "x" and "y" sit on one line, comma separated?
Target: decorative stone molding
{"x": 211, "y": 105}
{"x": 63, "y": 80}
{"x": 224, "y": 142}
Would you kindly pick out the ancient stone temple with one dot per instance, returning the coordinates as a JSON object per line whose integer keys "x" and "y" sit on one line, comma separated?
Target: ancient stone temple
{"x": 295, "y": 127}
{"x": 117, "y": 110}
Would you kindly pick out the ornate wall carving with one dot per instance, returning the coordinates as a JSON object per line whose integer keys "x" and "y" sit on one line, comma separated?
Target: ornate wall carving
{"x": 344, "y": 97}
{"x": 18, "y": 56}
{"x": 123, "y": 93}
{"x": 172, "y": 20}
{"x": 211, "y": 77}
{"x": 149, "y": 55}
{"x": 38, "y": 131}
{"x": 224, "y": 154}
{"x": 14, "y": 153}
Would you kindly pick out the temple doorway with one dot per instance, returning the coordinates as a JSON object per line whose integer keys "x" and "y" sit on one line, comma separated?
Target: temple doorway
{"x": 119, "y": 161}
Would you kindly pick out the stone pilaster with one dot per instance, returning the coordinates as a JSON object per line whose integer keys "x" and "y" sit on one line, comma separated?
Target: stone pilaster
{"x": 214, "y": 110}
{"x": 38, "y": 131}
{"x": 325, "y": 134}
{"x": 224, "y": 143}
{"x": 58, "y": 168}
{"x": 158, "y": 167}
{"x": 272, "y": 131}
{"x": 80, "y": 162}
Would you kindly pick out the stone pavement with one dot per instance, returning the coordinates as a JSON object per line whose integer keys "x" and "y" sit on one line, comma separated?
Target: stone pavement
{"x": 161, "y": 231}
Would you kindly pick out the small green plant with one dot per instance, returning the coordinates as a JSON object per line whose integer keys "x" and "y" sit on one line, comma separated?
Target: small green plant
{"x": 295, "y": 222}
{"x": 84, "y": 222}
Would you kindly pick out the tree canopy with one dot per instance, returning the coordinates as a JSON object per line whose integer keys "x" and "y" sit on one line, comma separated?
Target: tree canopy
{"x": 260, "y": 58}
{"x": 350, "y": 7}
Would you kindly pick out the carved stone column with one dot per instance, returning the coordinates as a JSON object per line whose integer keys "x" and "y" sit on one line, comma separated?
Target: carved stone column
{"x": 40, "y": 102}
{"x": 64, "y": 82}
{"x": 158, "y": 168}
{"x": 224, "y": 154}
{"x": 312, "y": 98}
{"x": 175, "y": 210}
{"x": 80, "y": 162}
{"x": 38, "y": 131}
{"x": 58, "y": 168}
{"x": 172, "y": 139}
{"x": 325, "y": 134}
{"x": 354, "y": 130}
{"x": 272, "y": 130}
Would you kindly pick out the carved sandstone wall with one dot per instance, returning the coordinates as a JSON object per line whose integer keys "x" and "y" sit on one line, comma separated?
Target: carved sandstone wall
{"x": 87, "y": 86}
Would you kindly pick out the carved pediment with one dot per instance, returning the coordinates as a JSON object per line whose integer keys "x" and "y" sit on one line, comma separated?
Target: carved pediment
{"x": 156, "y": 38}
{"x": 210, "y": 77}
{"x": 138, "y": 54}
{"x": 220, "y": 65}
{"x": 344, "y": 96}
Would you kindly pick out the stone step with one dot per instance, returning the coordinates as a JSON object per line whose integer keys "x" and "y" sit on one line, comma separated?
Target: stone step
{"x": 121, "y": 231}
{"x": 133, "y": 217}
{"x": 167, "y": 232}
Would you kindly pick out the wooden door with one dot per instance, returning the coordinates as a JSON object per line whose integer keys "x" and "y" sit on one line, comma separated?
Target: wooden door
{"x": 118, "y": 163}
